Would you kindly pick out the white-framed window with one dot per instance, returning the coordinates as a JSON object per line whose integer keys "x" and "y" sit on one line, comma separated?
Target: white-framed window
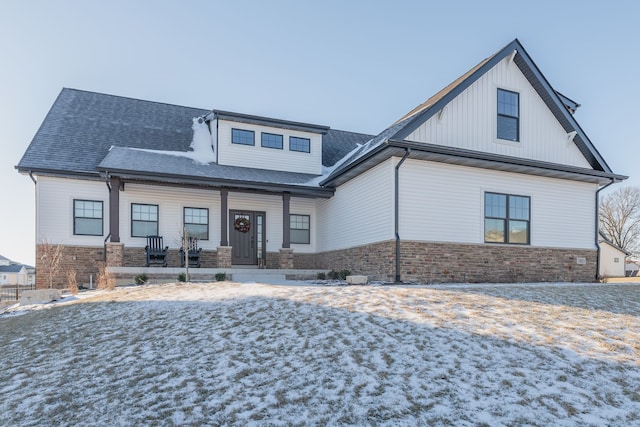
{"x": 87, "y": 217}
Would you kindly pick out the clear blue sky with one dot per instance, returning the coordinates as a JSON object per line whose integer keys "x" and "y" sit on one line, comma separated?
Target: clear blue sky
{"x": 351, "y": 65}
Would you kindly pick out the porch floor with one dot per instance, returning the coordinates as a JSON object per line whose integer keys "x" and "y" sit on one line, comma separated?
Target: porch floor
{"x": 250, "y": 274}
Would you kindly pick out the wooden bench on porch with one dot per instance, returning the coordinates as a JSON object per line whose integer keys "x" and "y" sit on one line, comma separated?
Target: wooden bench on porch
{"x": 194, "y": 253}
{"x": 155, "y": 252}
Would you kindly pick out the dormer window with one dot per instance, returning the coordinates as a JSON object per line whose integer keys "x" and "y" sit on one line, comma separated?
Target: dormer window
{"x": 271, "y": 140}
{"x": 242, "y": 137}
{"x": 508, "y": 115}
{"x": 299, "y": 144}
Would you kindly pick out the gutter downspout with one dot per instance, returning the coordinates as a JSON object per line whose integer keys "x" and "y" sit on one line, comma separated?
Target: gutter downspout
{"x": 598, "y": 249}
{"x": 397, "y": 211}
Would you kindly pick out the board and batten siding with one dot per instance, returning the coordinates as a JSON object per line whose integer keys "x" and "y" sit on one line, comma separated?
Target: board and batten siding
{"x": 470, "y": 121}
{"x": 259, "y": 157}
{"x": 445, "y": 203}
{"x": 360, "y": 212}
{"x": 54, "y": 210}
{"x": 170, "y": 201}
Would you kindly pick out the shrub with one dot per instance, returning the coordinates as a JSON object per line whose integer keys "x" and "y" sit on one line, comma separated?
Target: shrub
{"x": 321, "y": 276}
{"x": 221, "y": 277}
{"x": 106, "y": 281}
{"x": 338, "y": 275}
{"x": 182, "y": 277}
{"x": 72, "y": 282}
{"x": 141, "y": 279}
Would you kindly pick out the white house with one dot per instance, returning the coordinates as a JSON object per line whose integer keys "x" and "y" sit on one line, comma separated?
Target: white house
{"x": 13, "y": 273}
{"x": 612, "y": 259}
{"x": 490, "y": 179}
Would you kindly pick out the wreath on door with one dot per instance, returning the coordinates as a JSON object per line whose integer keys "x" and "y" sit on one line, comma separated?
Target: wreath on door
{"x": 243, "y": 225}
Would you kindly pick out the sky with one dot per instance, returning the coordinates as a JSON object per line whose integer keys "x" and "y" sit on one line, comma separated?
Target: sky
{"x": 352, "y": 65}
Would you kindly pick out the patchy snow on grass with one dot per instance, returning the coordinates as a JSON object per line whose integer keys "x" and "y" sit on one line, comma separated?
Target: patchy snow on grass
{"x": 252, "y": 354}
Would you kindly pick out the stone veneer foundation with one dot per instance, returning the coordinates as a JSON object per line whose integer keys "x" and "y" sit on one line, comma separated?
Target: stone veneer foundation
{"x": 425, "y": 262}
{"x": 421, "y": 262}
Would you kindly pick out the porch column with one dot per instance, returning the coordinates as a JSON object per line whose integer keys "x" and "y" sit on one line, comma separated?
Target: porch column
{"x": 114, "y": 209}
{"x": 224, "y": 209}
{"x": 286, "y": 230}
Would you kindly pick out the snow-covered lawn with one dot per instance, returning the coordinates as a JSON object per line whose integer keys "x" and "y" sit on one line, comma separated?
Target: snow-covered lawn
{"x": 251, "y": 354}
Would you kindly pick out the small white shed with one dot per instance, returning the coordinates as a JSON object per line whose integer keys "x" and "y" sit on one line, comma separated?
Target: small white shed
{"x": 612, "y": 259}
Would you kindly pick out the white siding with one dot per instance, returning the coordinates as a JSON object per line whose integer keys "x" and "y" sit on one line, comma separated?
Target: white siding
{"x": 469, "y": 121}
{"x": 608, "y": 265}
{"x": 268, "y": 158}
{"x": 171, "y": 202}
{"x": 445, "y": 203}
{"x": 360, "y": 212}
{"x": 54, "y": 209}
{"x": 305, "y": 207}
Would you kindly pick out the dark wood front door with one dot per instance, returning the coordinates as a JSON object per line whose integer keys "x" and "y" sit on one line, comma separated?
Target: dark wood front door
{"x": 246, "y": 235}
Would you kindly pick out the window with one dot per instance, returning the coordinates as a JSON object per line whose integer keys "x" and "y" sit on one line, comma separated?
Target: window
{"x": 196, "y": 222}
{"x": 144, "y": 220}
{"x": 87, "y": 218}
{"x": 506, "y": 219}
{"x": 299, "y": 144}
{"x": 508, "y": 115}
{"x": 299, "y": 229}
{"x": 271, "y": 140}
{"x": 241, "y": 136}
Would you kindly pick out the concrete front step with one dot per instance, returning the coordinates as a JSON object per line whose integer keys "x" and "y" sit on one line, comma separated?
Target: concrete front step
{"x": 126, "y": 275}
{"x": 258, "y": 277}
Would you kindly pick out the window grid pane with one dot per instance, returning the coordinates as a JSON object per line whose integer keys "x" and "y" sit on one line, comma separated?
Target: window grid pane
{"x": 243, "y": 137}
{"x": 506, "y": 218}
{"x": 299, "y": 229}
{"x": 299, "y": 144}
{"x": 196, "y": 222}
{"x": 271, "y": 140}
{"x": 87, "y": 218}
{"x": 508, "y": 115}
{"x": 144, "y": 220}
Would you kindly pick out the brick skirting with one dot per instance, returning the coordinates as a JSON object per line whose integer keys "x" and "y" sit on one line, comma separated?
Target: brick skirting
{"x": 425, "y": 262}
{"x": 421, "y": 262}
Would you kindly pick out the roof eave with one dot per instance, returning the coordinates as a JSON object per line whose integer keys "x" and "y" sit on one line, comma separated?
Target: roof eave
{"x": 302, "y": 190}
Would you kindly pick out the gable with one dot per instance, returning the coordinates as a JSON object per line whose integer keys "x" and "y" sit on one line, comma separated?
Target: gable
{"x": 469, "y": 121}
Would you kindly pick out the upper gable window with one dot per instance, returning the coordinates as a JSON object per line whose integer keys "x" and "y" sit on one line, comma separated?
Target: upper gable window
{"x": 271, "y": 140}
{"x": 244, "y": 137}
{"x": 299, "y": 144}
{"x": 508, "y": 115}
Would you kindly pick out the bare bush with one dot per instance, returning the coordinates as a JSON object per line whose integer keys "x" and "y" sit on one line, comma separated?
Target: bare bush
{"x": 72, "y": 281}
{"x": 50, "y": 261}
{"x": 106, "y": 280}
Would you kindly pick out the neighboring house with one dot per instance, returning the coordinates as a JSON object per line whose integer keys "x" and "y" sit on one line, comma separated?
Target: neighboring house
{"x": 491, "y": 179}
{"x": 612, "y": 262}
{"x": 13, "y": 273}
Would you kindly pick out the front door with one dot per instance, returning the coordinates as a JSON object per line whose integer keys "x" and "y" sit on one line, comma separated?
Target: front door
{"x": 246, "y": 235}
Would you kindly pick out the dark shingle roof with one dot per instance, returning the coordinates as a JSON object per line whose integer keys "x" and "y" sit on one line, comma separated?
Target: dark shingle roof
{"x": 13, "y": 268}
{"x": 338, "y": 143}
{"x": 81, "y": 127}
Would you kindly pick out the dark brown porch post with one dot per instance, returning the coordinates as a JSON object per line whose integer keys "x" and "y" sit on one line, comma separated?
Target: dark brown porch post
{"x": 286, "y": 231}
{"x": 224, "y": 228}
{"x": 114, "y": 209}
